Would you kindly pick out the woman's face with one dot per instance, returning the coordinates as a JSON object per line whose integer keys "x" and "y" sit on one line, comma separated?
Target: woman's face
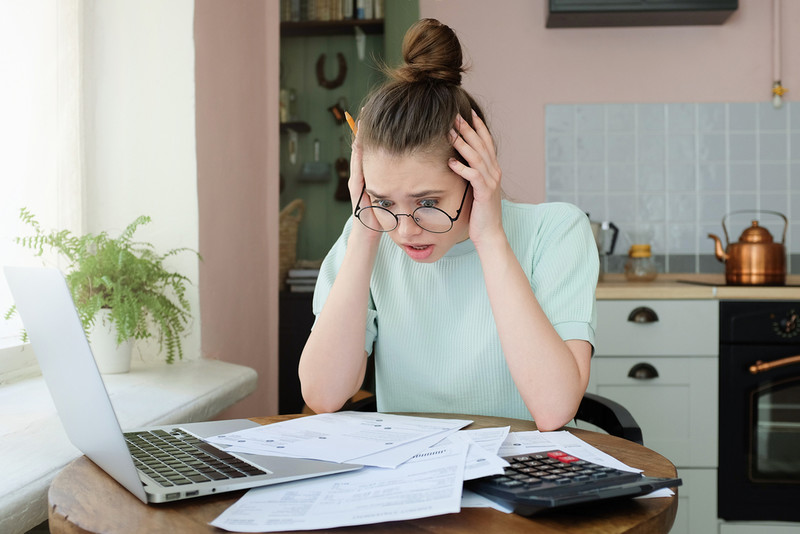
{"x": 402, "y": 184}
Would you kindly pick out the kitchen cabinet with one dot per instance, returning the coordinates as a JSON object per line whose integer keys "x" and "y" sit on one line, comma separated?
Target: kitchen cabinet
{"x": 591, "y": 13}
{"x": 697, "y": 502}
{"x": 659, "y": 359}
{"x": 296, "y": 320}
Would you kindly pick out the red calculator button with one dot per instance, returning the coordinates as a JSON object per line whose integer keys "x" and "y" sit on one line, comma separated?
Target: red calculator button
{"x": 556, "y": 454}
{"x": 567, "y": 459}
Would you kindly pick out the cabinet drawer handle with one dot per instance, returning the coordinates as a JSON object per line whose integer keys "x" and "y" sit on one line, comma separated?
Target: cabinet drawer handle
{"x": 643, "y": 314}
{"x": 643, "y": 371}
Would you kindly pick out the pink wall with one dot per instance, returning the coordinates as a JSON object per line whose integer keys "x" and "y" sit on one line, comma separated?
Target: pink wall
{"x": 519, "y": 66}
{"x": 236, "y": 73}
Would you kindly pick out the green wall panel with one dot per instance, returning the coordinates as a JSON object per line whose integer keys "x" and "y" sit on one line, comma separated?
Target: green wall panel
{"x": 325, "y": 216}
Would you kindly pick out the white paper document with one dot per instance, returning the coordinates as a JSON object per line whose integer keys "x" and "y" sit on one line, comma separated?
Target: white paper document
{"x": 428, "y": 484}
{"x": 482, "y": 459}
{"x": 518, "y": 443}
{"x": 425, "y": 483}
{"x": 344, "y": 437}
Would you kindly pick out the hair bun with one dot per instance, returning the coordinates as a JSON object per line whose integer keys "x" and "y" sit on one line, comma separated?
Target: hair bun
{"x": 431, "y": 51}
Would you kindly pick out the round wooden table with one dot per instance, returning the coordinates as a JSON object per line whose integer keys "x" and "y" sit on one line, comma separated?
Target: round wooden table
{"x": 82, "y": 498}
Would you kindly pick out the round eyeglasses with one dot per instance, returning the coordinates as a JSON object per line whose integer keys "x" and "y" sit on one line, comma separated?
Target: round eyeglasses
{"x": 432, "y": 220}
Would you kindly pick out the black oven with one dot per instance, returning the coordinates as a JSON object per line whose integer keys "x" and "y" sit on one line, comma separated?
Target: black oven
{"x": 759, "y": 411}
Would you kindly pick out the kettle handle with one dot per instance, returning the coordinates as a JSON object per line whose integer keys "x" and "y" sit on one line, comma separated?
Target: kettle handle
{"x": 615, "y": 233}
{"x": 781, "y": 215}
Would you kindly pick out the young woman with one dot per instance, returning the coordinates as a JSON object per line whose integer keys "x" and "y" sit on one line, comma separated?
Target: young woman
{"x": 469, "y": 303}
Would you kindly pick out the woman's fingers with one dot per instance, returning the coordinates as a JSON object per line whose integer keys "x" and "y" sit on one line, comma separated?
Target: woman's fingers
{"x": 477, "y": 148}
{"x": 483, "y": 132}
{"x": 356, "y": 181}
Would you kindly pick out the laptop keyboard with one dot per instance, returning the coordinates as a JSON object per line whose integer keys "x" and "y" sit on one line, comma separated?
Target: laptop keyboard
{"x": 177, "y": 458}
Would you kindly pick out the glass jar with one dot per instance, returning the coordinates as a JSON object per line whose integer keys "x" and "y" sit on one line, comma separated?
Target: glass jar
{"x": 640, "y": 266}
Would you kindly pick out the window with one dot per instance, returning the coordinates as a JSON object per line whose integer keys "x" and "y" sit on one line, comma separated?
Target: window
{"x": 40, "y": 136}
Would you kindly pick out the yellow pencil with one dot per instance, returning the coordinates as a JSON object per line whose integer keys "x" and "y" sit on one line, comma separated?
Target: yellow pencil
{"x": 351, "y": 122}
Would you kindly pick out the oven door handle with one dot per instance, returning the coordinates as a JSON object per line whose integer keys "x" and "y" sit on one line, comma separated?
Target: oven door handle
{"x": 760, "y": 367}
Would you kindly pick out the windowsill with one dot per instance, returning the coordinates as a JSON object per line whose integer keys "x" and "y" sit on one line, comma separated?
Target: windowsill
{"x": 34, "y": 447}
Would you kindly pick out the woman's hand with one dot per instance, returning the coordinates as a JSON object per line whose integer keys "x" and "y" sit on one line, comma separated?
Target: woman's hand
{"x": 483, "y": 173}
{"x": 355, "y": 184}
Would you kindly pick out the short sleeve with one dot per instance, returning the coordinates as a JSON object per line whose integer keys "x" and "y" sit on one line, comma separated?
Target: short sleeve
{"x": 565, "y": 268}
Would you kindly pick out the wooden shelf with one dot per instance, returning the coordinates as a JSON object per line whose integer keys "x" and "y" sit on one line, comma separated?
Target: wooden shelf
{"x": 333, "y": 27}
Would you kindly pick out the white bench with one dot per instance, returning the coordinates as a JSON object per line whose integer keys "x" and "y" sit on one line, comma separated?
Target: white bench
{"x": 34, "y": 446}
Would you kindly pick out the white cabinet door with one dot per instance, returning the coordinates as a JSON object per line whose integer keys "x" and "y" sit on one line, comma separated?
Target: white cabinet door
{"x": 677, "y": 410}
{"x": 697, "y": 502}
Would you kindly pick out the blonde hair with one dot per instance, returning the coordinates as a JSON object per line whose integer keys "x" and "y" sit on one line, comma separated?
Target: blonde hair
{"x": 415, "y": 109}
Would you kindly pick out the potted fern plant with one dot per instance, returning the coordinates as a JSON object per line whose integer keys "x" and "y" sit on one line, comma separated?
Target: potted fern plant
{"x": 119, "y": 282}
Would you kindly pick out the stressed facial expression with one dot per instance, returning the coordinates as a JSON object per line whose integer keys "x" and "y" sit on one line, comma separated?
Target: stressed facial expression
{"x": 402, "y": 184}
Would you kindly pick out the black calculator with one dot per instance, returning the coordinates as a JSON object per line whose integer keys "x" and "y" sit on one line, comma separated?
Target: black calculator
{"x": 550, "y": 479}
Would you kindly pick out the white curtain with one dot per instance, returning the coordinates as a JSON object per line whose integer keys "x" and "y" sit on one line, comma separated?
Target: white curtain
{"x": 41, "y": 149}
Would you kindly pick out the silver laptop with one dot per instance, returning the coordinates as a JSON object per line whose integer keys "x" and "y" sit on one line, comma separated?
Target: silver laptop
{"x": 133, "y": 459}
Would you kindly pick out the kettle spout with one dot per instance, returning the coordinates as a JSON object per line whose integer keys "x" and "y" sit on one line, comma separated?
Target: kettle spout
{"x": 720, "y": 253}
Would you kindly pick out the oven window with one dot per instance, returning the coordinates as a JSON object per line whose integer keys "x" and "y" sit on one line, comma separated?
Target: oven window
{"x": 775, "y": 434}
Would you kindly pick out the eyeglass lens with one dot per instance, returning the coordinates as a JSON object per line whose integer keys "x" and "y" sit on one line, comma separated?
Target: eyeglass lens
{"x": 430, "y": 219}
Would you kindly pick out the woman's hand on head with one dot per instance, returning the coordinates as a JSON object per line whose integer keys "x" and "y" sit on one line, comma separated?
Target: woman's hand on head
{"x": 483, "y": 173}
{"x": 355, "y": 185}
{"x": 356, "y": 181}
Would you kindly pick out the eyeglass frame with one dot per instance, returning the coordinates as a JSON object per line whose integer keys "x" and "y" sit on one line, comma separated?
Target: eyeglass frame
{"x": 358, "y": 209}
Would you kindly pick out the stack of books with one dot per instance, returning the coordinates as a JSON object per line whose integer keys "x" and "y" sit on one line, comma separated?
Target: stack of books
{"x": 331, "y": 10}
{"x": 302, "y": 280}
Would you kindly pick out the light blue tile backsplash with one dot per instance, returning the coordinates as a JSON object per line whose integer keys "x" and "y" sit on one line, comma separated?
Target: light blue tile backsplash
{"x": 669, "y": 173}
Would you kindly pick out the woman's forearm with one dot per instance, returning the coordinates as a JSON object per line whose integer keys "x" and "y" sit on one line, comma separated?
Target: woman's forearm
{"x": 333, "y": 361}
{"x": 550, "y": 374}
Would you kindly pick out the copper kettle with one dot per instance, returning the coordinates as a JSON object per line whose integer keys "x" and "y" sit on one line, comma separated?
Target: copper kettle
{"x": 755, "y": 259}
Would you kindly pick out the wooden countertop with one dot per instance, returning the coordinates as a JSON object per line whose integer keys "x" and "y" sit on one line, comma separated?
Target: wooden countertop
{"x": 692, "y": 286}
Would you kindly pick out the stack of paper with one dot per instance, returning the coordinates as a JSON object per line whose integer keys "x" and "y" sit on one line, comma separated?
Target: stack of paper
{"x": 416, "y": 467}
{"x": 381, "y": 440}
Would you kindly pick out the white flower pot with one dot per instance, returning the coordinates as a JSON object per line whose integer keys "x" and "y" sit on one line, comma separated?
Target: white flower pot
{"x": 110, "y": 357}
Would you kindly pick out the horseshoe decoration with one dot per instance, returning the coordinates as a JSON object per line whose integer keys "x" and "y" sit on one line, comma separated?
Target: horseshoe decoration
{"x": 336, "y": 82}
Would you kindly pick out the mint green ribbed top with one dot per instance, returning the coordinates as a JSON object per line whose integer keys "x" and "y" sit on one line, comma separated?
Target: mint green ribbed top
{"x": 430, "y": 327}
